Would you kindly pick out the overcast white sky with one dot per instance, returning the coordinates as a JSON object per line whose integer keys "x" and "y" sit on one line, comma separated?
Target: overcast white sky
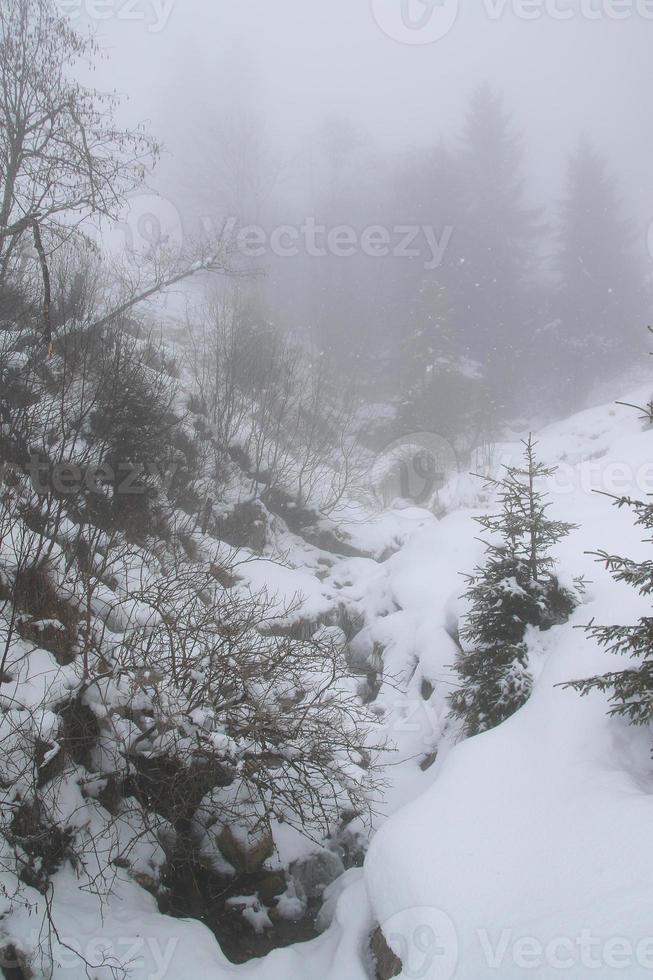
{"x": 300, "y": 61}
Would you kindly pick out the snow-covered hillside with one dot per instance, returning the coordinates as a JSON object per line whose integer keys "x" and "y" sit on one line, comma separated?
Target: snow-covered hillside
{"x": 522, "y": 851}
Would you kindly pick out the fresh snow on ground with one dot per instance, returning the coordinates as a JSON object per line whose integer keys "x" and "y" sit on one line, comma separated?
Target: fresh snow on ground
{"x": 530, "y": 849}
{"x": 521, "y": 852}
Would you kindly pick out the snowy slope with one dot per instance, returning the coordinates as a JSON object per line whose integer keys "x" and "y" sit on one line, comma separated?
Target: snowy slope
{"x": 521, "y": 852}
{"x": 530, "y": 852}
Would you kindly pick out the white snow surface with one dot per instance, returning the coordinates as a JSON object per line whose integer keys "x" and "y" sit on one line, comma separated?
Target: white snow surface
{"x": 522, "y": 852}
{"x": 529, "y": 854}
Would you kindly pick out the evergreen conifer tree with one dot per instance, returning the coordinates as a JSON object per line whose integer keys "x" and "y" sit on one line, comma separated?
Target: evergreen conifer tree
{"x": 631, "y": 689}
{"x": 496, "y": 240}
{"x": 514, "y": 589}
{"x": 429, "y": 343}
{"x": 602, "y": 293}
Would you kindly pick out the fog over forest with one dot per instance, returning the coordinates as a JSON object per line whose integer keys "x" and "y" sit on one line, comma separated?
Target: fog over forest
{"x": 326, "y": 482}
{"x": 275, "y": 115}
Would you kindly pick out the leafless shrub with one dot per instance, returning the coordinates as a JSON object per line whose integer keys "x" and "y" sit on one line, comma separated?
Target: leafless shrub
{"x": 282, "y": 406}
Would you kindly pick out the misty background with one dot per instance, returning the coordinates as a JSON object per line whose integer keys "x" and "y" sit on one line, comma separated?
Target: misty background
{"x": 524, "y": 145}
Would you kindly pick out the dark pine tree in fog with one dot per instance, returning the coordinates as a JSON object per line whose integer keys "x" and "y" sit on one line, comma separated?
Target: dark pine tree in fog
{"x": 601, "y": 299}
{"x": 495, "y": 242}
{"x": 426, "y": 190}
{"x": 429, "y": 341}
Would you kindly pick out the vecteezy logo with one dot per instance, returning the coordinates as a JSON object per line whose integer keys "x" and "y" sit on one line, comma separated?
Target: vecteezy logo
{"x": 150, "y": 225}
{"x": 419, "y": 469}
{"x": 416, "y": 21}
{"x": 425, "y": 941}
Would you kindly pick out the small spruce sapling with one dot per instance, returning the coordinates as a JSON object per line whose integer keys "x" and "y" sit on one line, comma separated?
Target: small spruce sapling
{"x": 515, "y": 588}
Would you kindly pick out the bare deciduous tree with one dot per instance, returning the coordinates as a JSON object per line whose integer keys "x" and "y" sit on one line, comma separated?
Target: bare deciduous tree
{"x": 62, "y": 157}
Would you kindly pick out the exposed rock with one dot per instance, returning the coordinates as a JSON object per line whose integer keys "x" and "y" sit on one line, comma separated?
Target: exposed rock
{"x": 332, "y": 540}
{"x": 316, "y": 872}
{"x": 271, "y": 886}
{"x": 81, "y": 731}
{"x": 364, "y": 653}
{"x": 49, "y": 620}
{"x": 296, "y": 517}
{"x": 14, "y": 965}
{"x": 146, "y": 881}
{"x": 427, "y": 690}
{"x": 246, "y": 852}
{"x": 387, "y": 964}
{"x": 365, "y": 657}
{"x": 428, "y": 761}
{"x": 48, "y": 634}
{"x": 245, "y": 526}
{"x": 192, "y": 889}
{"x": 369, "y": 687}
{"x": 338, "y": 618}
{"x": 239, "y": 456}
